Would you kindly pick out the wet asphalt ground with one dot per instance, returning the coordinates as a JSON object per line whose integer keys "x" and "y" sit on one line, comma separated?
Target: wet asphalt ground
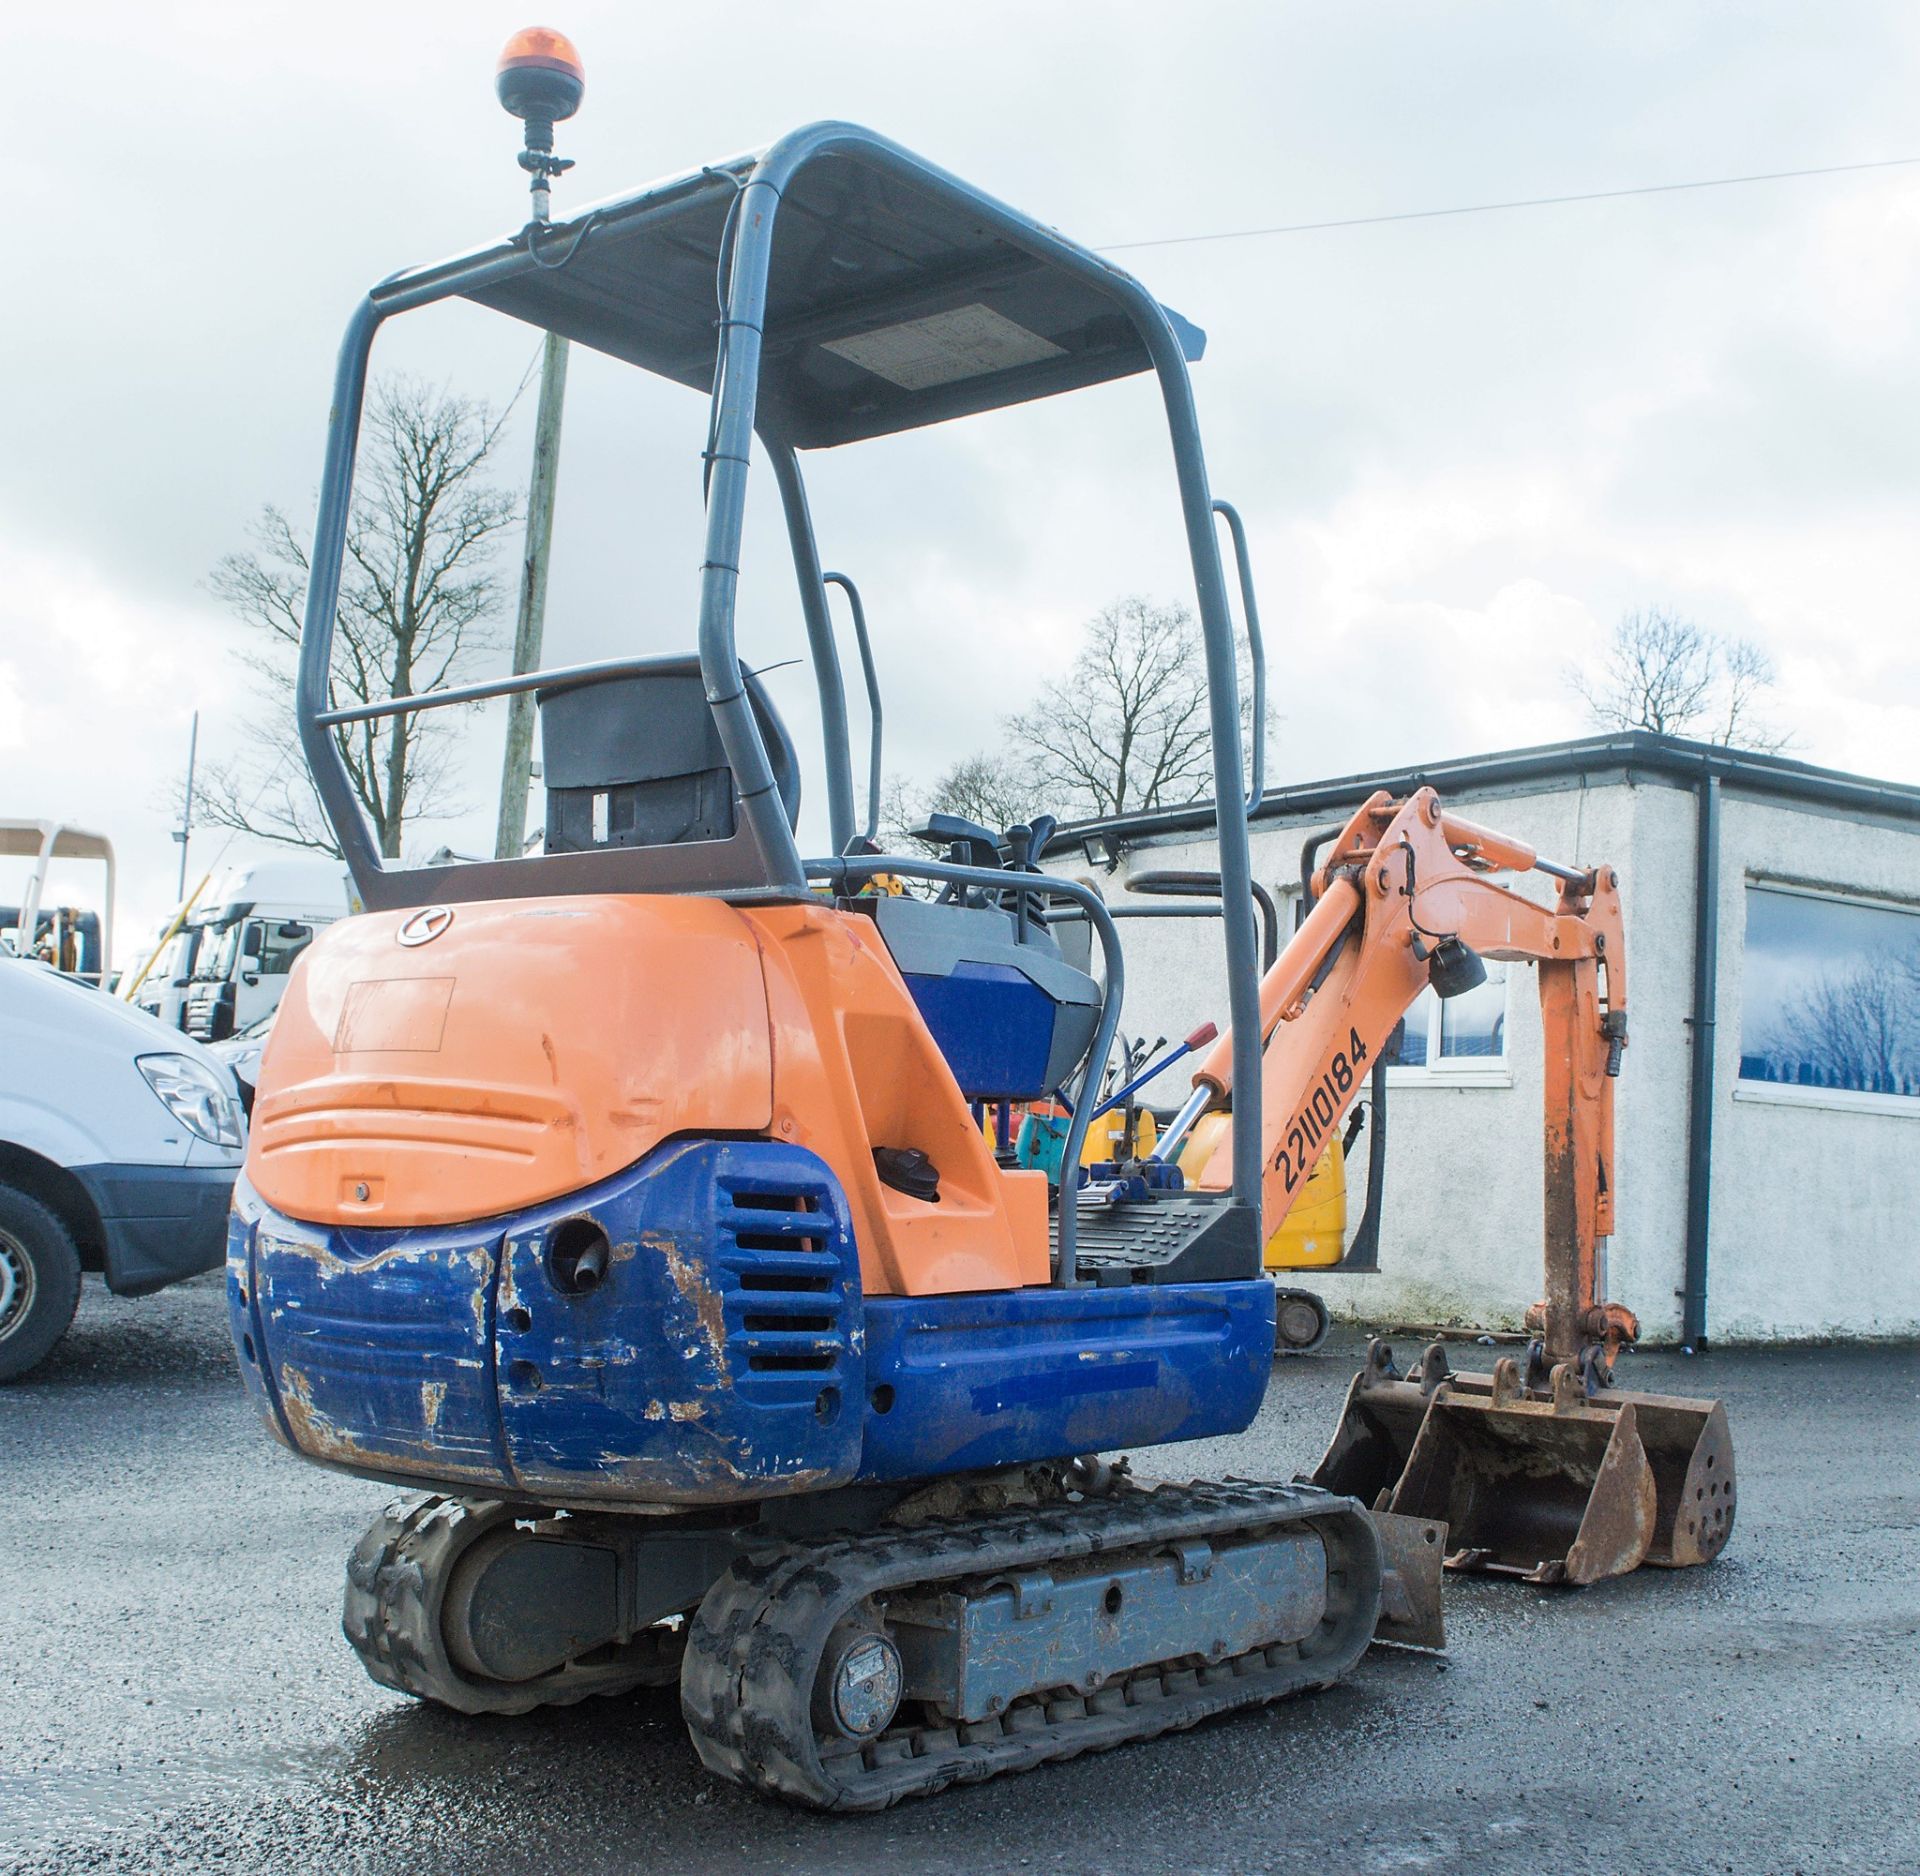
{"x": 177, "y": 1695}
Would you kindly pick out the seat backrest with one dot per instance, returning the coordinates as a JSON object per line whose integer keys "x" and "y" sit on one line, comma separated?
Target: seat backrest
{"x": 636, "y": 761}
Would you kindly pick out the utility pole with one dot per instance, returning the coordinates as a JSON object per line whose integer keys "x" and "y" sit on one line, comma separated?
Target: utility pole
{"x": 184, "y": 832}
{"x": 530, "y": 626}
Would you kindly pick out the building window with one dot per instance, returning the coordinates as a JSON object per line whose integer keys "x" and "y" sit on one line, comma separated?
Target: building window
{"x": 1459, "y": 1038}
{"x": 1830, "y": 994}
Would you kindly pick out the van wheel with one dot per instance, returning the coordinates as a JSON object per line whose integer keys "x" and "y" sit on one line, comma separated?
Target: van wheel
{"x": 39, "y": 1282}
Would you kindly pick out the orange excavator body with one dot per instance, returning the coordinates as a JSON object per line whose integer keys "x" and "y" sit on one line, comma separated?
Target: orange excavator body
{"x": 532, "y": 1048}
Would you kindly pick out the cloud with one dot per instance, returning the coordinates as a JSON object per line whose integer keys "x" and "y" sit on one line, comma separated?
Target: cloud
{"x": 1463, "y": 447}
{"x": 13, "y": 709}
{"x": 97, "y": 693}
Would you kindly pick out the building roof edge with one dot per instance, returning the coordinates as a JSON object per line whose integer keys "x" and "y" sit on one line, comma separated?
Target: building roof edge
{"x": 1639, "y": 753}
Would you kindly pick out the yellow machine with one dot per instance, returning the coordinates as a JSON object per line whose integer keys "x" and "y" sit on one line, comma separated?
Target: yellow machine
{"x": 1313, "y": 1235}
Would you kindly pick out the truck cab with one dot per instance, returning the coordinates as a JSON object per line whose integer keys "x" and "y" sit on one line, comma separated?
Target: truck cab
{"x": 163, "y": 990}
{"x": 259, "y": 920}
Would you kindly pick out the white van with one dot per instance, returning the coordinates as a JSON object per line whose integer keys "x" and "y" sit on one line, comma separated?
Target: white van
{"x": 119, "y": 1143}
{"x": 237, "y": 951}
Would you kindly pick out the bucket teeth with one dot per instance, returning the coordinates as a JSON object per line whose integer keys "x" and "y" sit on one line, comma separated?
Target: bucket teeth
{"x": 1572, "y": 1487}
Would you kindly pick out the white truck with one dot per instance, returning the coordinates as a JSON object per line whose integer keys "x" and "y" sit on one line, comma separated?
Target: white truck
{"x": 119, "y": 1143}
{"x": 163, "y": 982}
{"x": 227, "y": 964}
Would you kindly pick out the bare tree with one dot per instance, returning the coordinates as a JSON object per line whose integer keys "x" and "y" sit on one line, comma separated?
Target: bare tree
{"x": 1127, "y": 729}
{"x": 997, "y": 791}
{"x": 1746, "y": 675}
{"x": 1666, "y": 674}
{"x": 417, "y": 601}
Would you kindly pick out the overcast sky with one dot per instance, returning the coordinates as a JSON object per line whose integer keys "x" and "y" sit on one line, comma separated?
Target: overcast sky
{"x": 1463, "y": 446}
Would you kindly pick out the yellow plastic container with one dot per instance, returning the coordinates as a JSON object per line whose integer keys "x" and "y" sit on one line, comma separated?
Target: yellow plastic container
{"x": 1314, "y": 1234}
{"x": 1105, "y": 1137}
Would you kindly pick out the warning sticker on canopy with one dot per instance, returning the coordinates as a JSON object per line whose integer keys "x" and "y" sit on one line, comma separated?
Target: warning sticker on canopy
{"x": 943, "y": 348}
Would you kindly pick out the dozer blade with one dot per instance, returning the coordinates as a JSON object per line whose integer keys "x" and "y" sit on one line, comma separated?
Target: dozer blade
{"x": 1564, "y": 1488}
{"x": 1412, "y": 1550}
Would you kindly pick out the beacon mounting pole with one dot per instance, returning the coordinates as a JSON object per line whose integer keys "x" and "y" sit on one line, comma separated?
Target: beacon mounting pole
{"x": 541, "y": 81}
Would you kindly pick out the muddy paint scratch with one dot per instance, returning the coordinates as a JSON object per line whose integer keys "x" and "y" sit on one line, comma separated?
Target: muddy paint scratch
{"x": 315, "y": 1433}
{"x": 481, "y": 1260}
{"x": 704, "y": 1300}
{"x": 678, "y": 1410}
{"x": 320, "y": 1437}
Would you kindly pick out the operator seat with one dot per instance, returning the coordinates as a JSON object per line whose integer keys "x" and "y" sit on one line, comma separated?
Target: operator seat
{"x": 636, "y": 760}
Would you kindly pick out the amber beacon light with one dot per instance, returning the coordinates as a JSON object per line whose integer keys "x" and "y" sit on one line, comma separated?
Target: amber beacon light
{"x": 541, "y": 81}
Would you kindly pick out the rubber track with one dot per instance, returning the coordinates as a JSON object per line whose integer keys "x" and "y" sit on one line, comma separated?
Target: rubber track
{"x": 755, "y": 1646}
{"x": 396, "y": 1585}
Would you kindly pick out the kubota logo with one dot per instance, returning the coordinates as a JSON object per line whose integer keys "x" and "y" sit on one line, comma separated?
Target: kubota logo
{"x": 425, "y": 925}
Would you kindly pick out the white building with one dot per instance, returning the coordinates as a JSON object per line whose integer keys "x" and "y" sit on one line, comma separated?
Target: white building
{"x": 1767, "y": 1188}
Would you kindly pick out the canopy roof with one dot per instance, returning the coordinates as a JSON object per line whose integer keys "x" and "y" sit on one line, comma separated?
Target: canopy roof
{"x": 896, "y": 296}
{"x": 28, "y": 840}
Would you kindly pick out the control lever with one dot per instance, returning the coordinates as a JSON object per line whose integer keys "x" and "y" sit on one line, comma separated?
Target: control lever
{"x": 1019, "y": 846}
{"x": 968, "y": 842}
{"x": 1198, "y": 1040}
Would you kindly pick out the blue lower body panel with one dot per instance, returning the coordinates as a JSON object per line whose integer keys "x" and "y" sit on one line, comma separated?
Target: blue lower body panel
{"x": 721, "y": 1357}
{"x": 728, "y": 1355}
{"x": 1010, "y": 1375}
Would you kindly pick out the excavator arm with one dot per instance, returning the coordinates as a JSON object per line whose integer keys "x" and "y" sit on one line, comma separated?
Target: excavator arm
{"x": 1546, "y": 1469}
{"x": 1404, "y": 898}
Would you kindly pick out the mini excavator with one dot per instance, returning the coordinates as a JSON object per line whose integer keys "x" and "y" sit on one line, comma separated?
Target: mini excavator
{"x": 626, "y": 1200}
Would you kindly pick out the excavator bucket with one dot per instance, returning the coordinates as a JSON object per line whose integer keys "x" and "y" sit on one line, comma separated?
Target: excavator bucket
{"x": 1378, "y": 1426}
{"x": 1690, "y": 1452}
{"x": 1550, "y": 1484}
{"x": 1553, "y": 1491}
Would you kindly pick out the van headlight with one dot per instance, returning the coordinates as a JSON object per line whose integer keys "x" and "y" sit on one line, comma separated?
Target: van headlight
{"x": 194, "y": 1095}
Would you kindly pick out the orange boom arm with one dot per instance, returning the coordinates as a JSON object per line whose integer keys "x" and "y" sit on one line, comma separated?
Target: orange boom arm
{"x": 1404, "y": 897}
